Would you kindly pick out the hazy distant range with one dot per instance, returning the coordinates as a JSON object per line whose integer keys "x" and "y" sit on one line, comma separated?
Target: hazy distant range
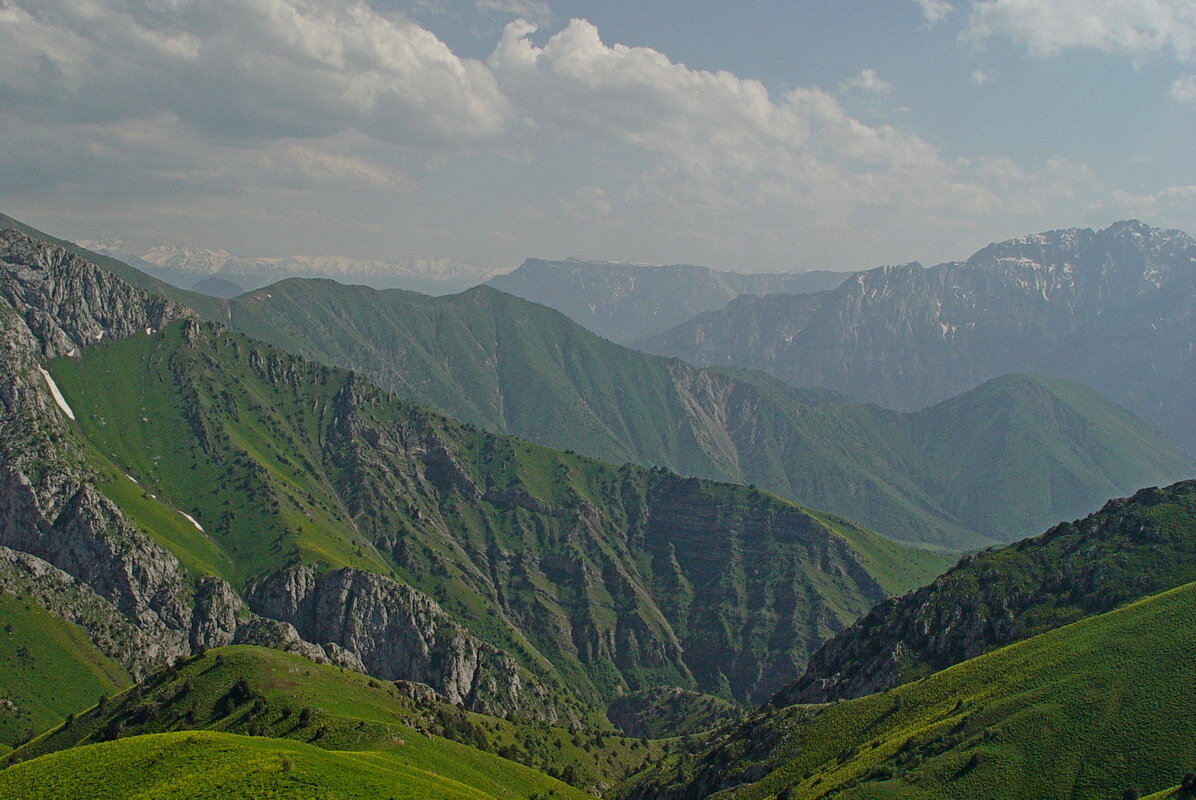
{"x": 223, "y": 274}
{"x": 616, "y": 300}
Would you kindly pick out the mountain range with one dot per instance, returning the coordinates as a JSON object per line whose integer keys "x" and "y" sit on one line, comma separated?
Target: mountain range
{"x": 196, "y": 268}
{"x": 995, "y": 464}
{"x": 1112, "y": 309}
{"x": 624, "y": 302}
{"x": 239, "y": 567}
{"x": 248, "y": 489}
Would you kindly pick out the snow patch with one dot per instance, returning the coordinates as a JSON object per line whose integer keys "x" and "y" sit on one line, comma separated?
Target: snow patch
{"x": 58, "y": 398}
{"x": 191, "y": 519}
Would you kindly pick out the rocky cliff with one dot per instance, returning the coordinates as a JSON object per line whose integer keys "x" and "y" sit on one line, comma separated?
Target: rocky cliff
{"x": 171, "y": 465}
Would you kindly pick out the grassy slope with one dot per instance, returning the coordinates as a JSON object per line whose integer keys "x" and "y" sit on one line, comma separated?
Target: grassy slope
{"x": 1067, "y": 714}
{"x": 261, "y": 692}
{"x": 1130, "y": 549}
{"x": 214, "y": 766}
{"x": 513, "y": 366}
{"x": 245, "y": 440}
{"x": 48, "y": 669}
{"x": 1013, "y": 424}
{"x": 668, "y": 712}
{"x": 259, "y": 502}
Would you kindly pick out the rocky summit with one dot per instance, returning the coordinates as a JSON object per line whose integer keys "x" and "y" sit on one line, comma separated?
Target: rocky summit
{"x": 1112, "y": 309}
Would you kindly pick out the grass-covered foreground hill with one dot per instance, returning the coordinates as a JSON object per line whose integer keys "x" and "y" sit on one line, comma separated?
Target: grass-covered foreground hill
{"x": 48, "y": 668}
{"x": 1130, "y": 549}
{"x": 259, "y": 692}
{"x": 995, "y": 464}
{"x": 1083, "y": 712}
{"x": 216, "y": 766}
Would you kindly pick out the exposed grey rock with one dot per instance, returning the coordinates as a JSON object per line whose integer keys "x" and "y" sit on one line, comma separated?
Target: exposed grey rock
{"x": 399, "y": 633}
{"x": 69, "y": 303}
{"x": 421, "y": 693}
{"x": 27, "y": 576}
{"x": 79, "y": 553}
{"x": 1005, "y": 595}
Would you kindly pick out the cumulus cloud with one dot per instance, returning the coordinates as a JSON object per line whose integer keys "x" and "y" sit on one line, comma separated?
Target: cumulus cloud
{"x": 243, "y": 68}
{"x": 226, "y": 109}
{"x": 1183, "y": 89}
{"x": 1127, "y": 26}
{"x": 868, "y": 81}
{"x": 719, "y": 141}
{"x": 1171, "y": 205}
{"x": 935, "y": 10}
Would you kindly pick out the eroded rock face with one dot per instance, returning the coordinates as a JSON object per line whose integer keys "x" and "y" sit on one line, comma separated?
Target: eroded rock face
{"x": 1112, "y": 309}
{"x": 28, "y": 576}
{"x": 62, "y": 542}
{"x": 69, "y": 303}
{"x": 400, "y": 634}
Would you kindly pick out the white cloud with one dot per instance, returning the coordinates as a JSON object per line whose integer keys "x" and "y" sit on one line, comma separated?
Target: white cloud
{"x": 250, "y": 115}
{"x": 719, "y": 143}
{"x": 980, "y": 77}
{"x": 1183, "y": 89}
{"x": 935, "y": 10}
{"x": 1173, "y": 205}
{"x": 868, "y": 81}
{"x": 243, "y": 69}
{"x": 1126, "y": 26}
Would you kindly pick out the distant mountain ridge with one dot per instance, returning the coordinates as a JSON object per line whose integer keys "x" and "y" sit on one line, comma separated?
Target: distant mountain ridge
{"x": 997, "y": 463}
{"x": 623, "y": 302}
{"x": 1035, "y": 451}
{"x": 1114, "y": 309}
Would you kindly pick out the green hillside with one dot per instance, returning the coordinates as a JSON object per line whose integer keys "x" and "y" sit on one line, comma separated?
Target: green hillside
{"x": 216, "y": 766}
{"x": 48, "y": 669}
{"x": 1002, "y": 440}
{"x": 995, "y": 464}
{"x": 254, "y": 691}
{"x": 598, "y": 578}
{"x": 1082, "y": 712}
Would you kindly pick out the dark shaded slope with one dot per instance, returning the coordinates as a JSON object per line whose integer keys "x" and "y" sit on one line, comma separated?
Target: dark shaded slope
{"x": 1083, "y": 712}
{"x": 540, "y": 577}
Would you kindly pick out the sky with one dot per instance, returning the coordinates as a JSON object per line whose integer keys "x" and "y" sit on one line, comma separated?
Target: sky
{"x": 756, "y": 135}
